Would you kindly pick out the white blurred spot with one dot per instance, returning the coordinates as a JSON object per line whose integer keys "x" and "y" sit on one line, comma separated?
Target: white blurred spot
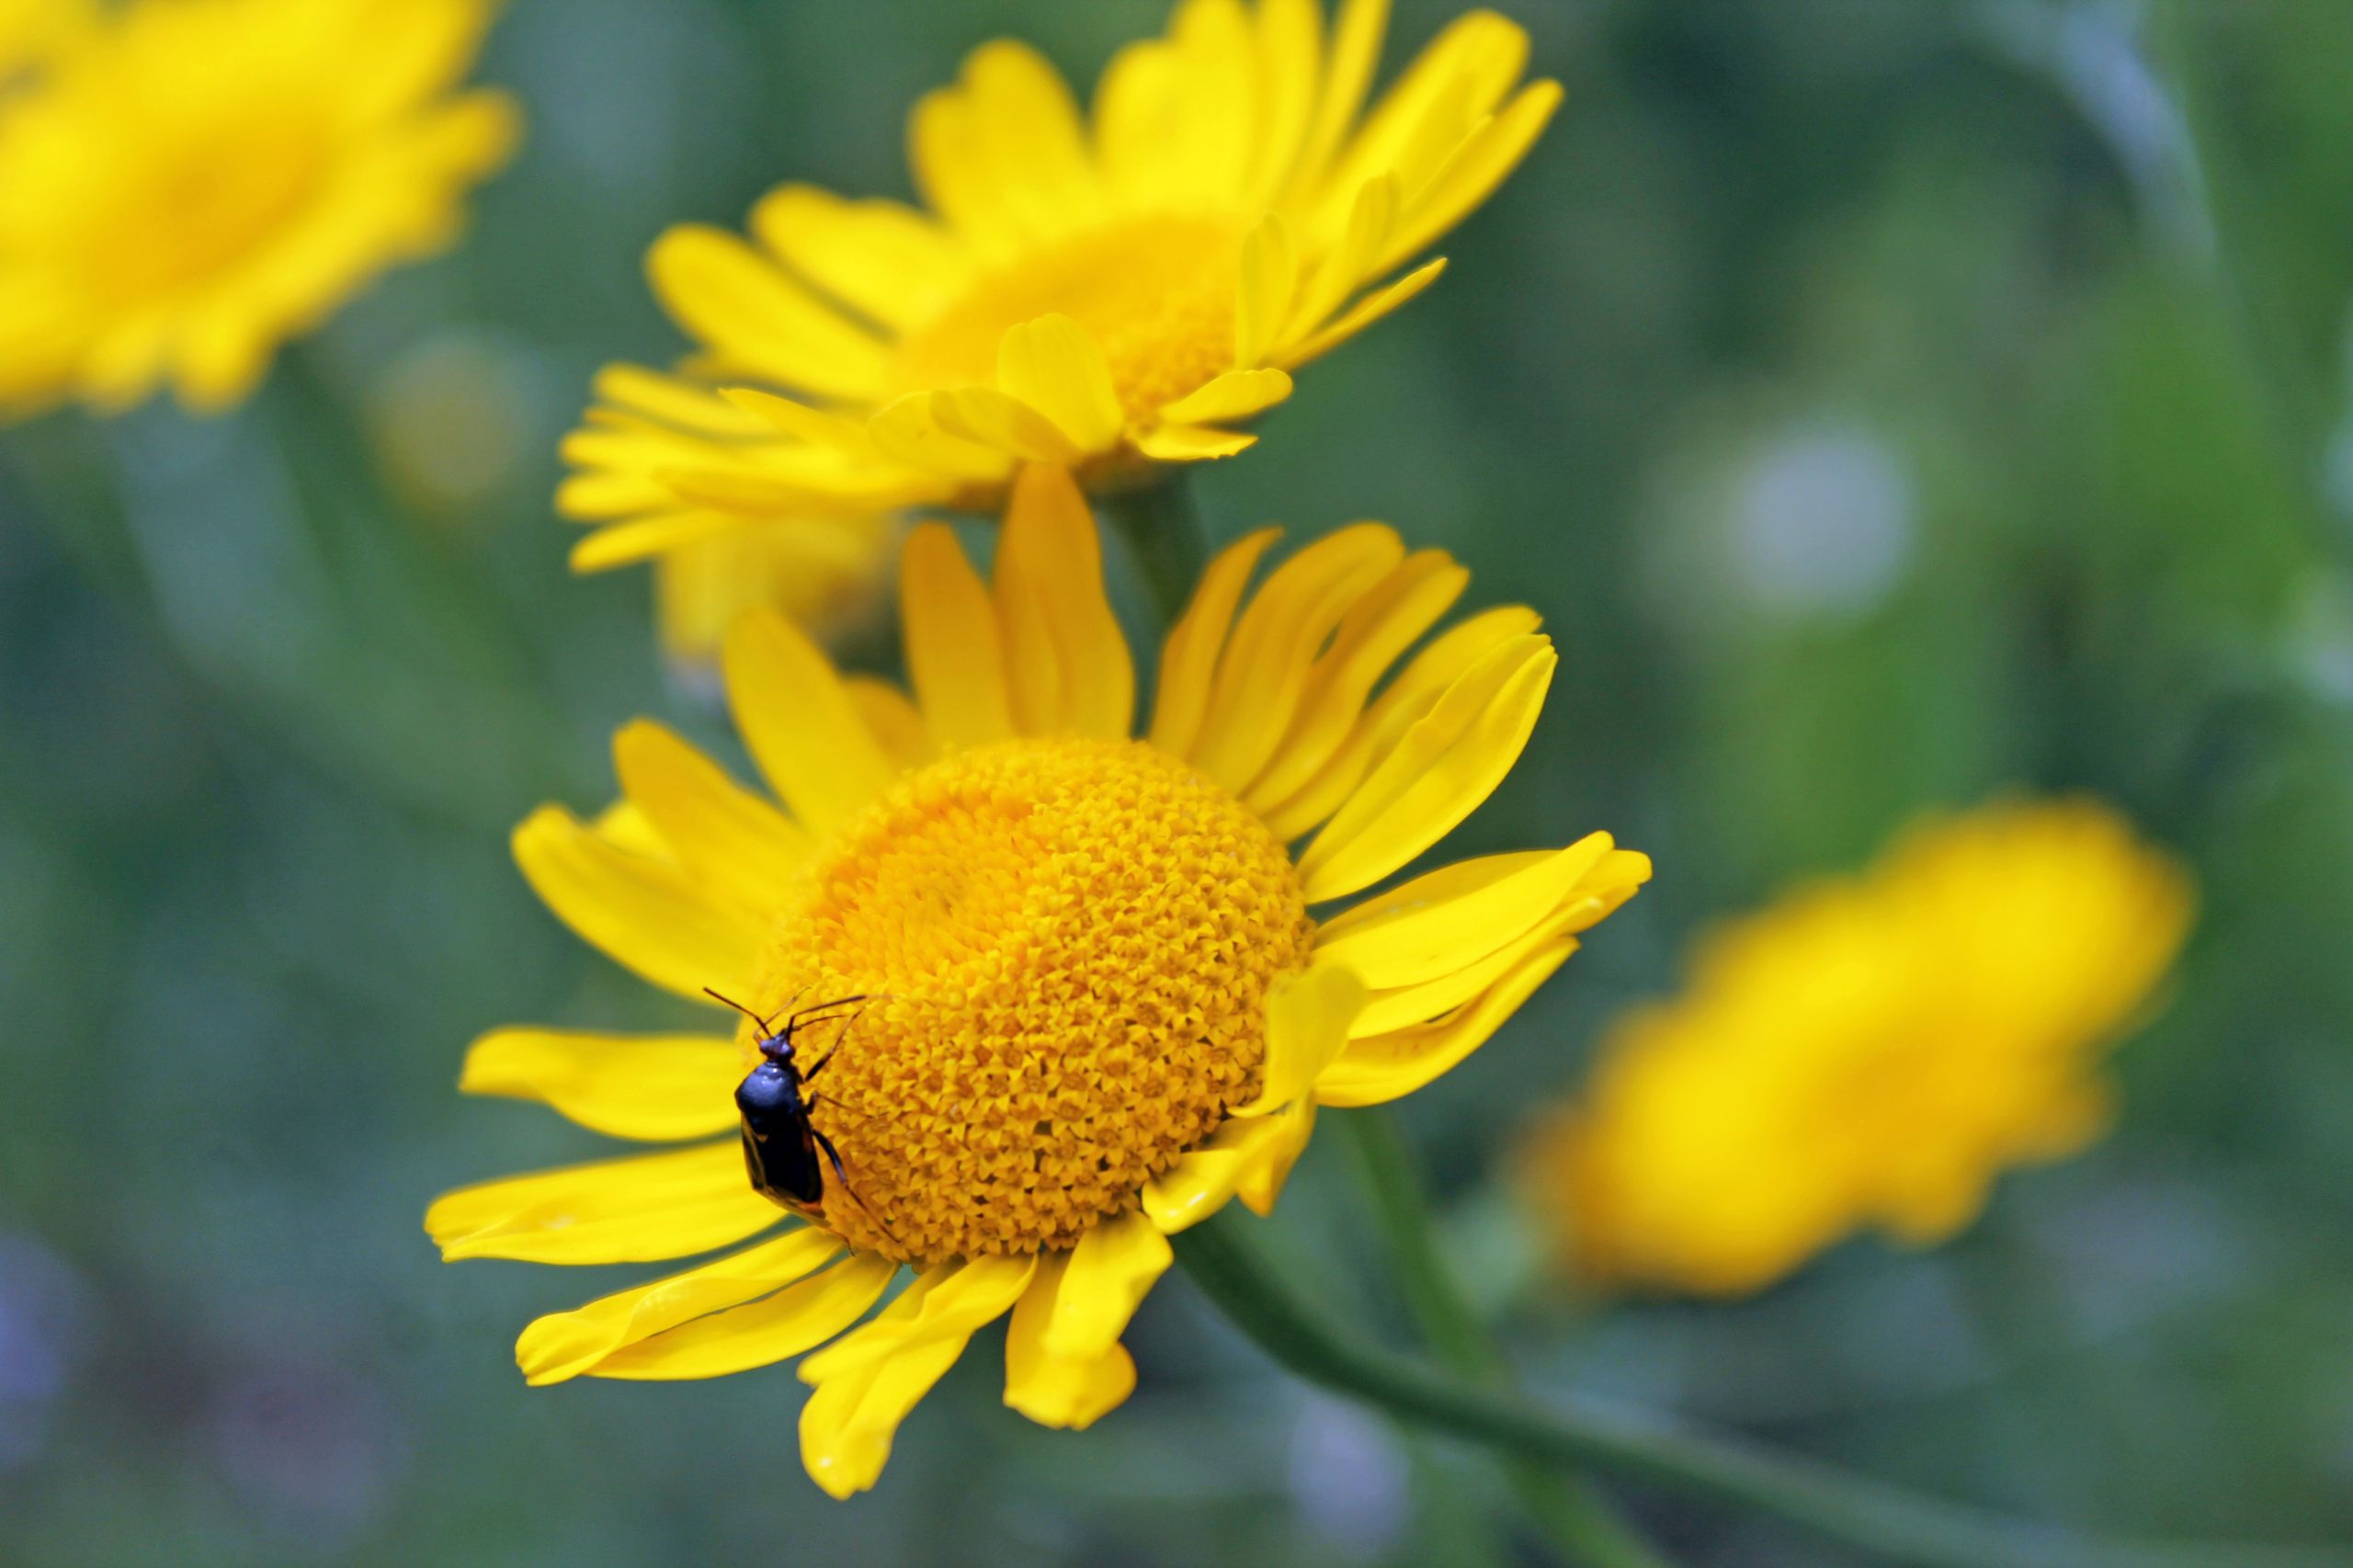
{"x": 2320, "y": 639}
{"x": 44, "y": 1310}
{"x": 1820, "y": 522}
{"x": 1349, "y": 1478}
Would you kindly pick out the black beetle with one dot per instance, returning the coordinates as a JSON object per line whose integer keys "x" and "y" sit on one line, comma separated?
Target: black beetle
{"x": 780, "y": 1145}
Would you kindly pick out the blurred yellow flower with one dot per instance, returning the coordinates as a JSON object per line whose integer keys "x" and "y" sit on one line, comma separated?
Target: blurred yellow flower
{"x": 1869, "y": 1052}
{"x": 829, "y": 575}
{"x": 1104, "y": 291}
{"x": 196, "y": 180}
{"x": 1090, "y": 1005}
{"x": 30, "y": 30}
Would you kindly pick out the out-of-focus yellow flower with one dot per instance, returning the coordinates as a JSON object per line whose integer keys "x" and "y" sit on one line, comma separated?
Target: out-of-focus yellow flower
{"x": 1869, "y": 1052}
{"x": 827, "y": 575}
{"x": 30, "y": 30}
{"x": 1088, "y": 1003}
{"x": 196, "y": 180}
{"x": 1104, "y": 291}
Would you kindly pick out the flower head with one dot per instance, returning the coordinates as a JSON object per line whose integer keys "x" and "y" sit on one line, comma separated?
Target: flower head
{"x": 1104, "y": 291}
{"x": 1869, "y": 1052}
{"x": 1096, "y": 991}
{"x": 283, "y": 152}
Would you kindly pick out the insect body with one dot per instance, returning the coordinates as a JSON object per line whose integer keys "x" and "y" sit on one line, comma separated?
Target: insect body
{"x": 780, "y": 1146}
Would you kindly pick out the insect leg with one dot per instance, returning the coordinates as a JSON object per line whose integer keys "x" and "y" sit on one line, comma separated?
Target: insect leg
{"x": 839, "y": 1040}
{"x": 833, "y": 1156}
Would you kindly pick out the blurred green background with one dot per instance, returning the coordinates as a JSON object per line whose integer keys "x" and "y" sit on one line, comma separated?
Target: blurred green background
{"x": 1887, "y": 402}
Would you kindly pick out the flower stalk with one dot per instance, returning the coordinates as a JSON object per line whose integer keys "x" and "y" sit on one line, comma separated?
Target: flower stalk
{"x": 1162, "y": 530}
{"x": 1231, "y": 1265}
{"x": 1579, "y": 1522}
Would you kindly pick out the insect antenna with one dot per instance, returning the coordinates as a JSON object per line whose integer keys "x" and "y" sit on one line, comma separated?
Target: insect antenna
{"x": 739, "y": 1006}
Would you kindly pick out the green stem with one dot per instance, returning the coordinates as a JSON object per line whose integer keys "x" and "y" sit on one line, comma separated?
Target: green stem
{"x": 1162, "y": 530}
{"x": 1232, "y": 1267}
{"x": 1579, "y": 1521}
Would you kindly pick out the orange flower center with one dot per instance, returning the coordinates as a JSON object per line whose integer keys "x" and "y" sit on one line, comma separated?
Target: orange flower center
{"x": 1154, "y": 292}
{"x": 1070, "y": 942}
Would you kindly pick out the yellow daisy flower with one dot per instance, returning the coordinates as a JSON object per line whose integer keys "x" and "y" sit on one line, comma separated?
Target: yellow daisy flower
{"x": 282, "y": 152}
{"x": 1869, "y": 1052}
{"x": 1103, "y": 292}
{"x": 1096, "y": 1005}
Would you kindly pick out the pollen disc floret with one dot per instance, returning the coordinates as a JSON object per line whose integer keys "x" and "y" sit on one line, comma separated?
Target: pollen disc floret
{"x": 1074, "y": 939}
{"x": 1155, "y": 294}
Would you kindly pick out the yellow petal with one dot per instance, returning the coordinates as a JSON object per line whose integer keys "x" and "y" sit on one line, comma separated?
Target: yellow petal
{"x": 1067, "y": 661}
{"x": 644, "y": 1209}
{"x": 1056, "y": 1390}
{"x": 1472, "y": 170}
{"x": 953, "y": 1301}
{"x": 1052, "y": 1392}
{"x": 1388, "y": 1012}
{"x": 622, "y": 826}
{"x": 1190, "y": 443}
{"x": 1140, "y": 115}
{"x": 642, "y": 913}
{"x": 800, "y": 722}
{"x": 1266, "y": 665}
{"x": 673, "y": 400}
{"x": 1198, "y": 1185}
{"x": 1458, "y": 79}
{"x": 1264, "y": 293}
{"x": 1052, "y": 365}
{"x": 954, "y": 658}
{"x": 1001, "y": 155}
{"x": 1031, "y": 136}
{"x": 1363, "y": 313}
{"x": 1307, "y": 1026}
{"x": 1401, "y": 705}
{"x": 1375, "y": 1071}
{"x": 952, "y": 174}
{"x": 1345, "y": 264}
{"x": 1236, "y": 394}
{"x": 658, "y": 1088}
{"x": 1290, "y": 39}
{"x": 1110, "y": 1271}
{"x": 626, "y": 544}
{"x": 1260, "y": 1181}
{"x": 1356, "y": 50}
{"x": 782, "y": 416}
{"x": 561, "y": 1346}
{"x": 987, "y": 417}
{"x": 1216, "y": 138}
{"x": 761, "y": 1332}
{"x": 905, "y": 431}
{"x": 887, "y": 261}
{"x": 1441, "y": 770}
{"x": 1423, "y": 934}
{"x": 866, "y": 1382}
{"x": 1189, "y": 658}
{"x": 894, "y": 721}
{"x": 738, "y": 844}
{"x": 1458, "y": 879}
{"x": 1374, "y": 633}
{"x": 731, "y": 297}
